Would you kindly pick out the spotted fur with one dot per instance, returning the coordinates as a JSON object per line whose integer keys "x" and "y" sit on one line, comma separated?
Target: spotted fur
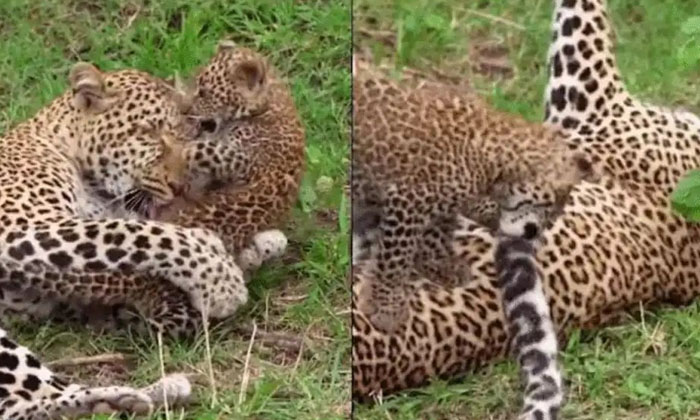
{"x": 243, "y": 175}
{"x": 251, "y": 159}
{"x": 531, "y": 328}
{"x": 114, "y": 136}
{"x": 30, "y": 391}
{"x": 616, "y": 245}
{"x": 421, "y": 156}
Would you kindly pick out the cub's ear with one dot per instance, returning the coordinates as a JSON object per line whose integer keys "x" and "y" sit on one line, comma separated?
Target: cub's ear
{"x": 89, "y": 90}
{"x": 252, "y": 73}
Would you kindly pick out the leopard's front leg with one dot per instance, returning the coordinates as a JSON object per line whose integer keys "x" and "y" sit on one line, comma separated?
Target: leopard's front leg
{"x": 43, "y": 396}
{"x": 193, "y": 259}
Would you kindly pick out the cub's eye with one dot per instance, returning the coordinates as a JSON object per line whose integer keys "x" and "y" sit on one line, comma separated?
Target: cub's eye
{"x": 208, "y": 125}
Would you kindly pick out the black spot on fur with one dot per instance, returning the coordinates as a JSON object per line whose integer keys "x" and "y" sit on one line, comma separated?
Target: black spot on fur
{"x": 558, "y": 98}
{"x": 95, "y": 266}
{"x": 142, "y": 242}
{"x": 8, "y": 361}
{"x": 87, "y": 250}
{"x": 7, "y": 343}
{"x": 32, "y": 362}
{"x": 569, "y": 25}
{"x": 6, "y": 379}
{"x": 24, "y": 394}
{"x": 138, "y": 257}
{"x": 570, "y": 123}
{"x": 115, "y": 254}
{"x": 15, "y": 253}
{"x": 581, "y": 102}
{"x": 61, "y": 259}
{"x": 572, "y": 67}
{"x": 49, "y": 244}
{"x": 31, "y": 383}
{"x": 26, "y": 248}
{"x": 536, "y": 360}
{"x": 557, "y": 66}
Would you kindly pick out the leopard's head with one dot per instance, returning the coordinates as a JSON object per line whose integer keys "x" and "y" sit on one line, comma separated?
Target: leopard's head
{"x": 130, "y": 128}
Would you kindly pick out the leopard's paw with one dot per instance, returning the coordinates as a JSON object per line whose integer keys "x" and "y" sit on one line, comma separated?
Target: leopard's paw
{"x": 266, "y": 245}
{"x": 175, "y": 389}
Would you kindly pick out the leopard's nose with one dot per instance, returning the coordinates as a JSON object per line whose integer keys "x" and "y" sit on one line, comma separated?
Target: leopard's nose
{"x": 531, "y": 230}
{"x": 177, "y": 188}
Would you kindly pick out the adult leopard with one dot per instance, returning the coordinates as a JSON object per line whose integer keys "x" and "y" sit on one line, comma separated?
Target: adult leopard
{"x": 419, "y": 155}
{"x": 115, "y": 136}
{"x": 616, "y": 245}
{"x": 242, "y": 172}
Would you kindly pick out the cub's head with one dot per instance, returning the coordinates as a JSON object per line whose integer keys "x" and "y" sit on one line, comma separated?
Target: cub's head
{"x": 529, "y": 206}
{"x": 128, "y": 129}
{"x": 232, "y": 86}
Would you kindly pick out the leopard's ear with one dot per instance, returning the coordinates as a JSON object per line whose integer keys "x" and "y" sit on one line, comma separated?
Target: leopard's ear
{"x": 184, "y": 91}
{"x": 225, "y": 45}
{"x": 251, "y": 73}
{"x": 89, "y": 90}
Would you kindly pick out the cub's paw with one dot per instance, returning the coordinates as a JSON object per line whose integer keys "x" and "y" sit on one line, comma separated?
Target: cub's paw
{"x": 249, "y": 259}
{"x": 175, "y": 389}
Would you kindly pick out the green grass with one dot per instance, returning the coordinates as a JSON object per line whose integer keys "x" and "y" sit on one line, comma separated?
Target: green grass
{"x": 306, "y": 293}
{"x": 640, "y": 370}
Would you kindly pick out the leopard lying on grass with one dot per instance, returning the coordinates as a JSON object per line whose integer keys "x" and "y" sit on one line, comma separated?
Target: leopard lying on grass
{"x": 243, "y": 171}
{"x": 246, "y": 175}
{"x": 616, "y": 245}
{"x": 114, "y": 136}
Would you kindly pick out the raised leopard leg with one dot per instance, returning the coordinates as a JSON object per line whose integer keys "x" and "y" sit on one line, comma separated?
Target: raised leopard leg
{"x": 587, "y": 100}
{"x": 583, "y": 75}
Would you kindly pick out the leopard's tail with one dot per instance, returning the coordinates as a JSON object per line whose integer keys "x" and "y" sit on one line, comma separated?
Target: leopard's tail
{"x": 531, "y": 328}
